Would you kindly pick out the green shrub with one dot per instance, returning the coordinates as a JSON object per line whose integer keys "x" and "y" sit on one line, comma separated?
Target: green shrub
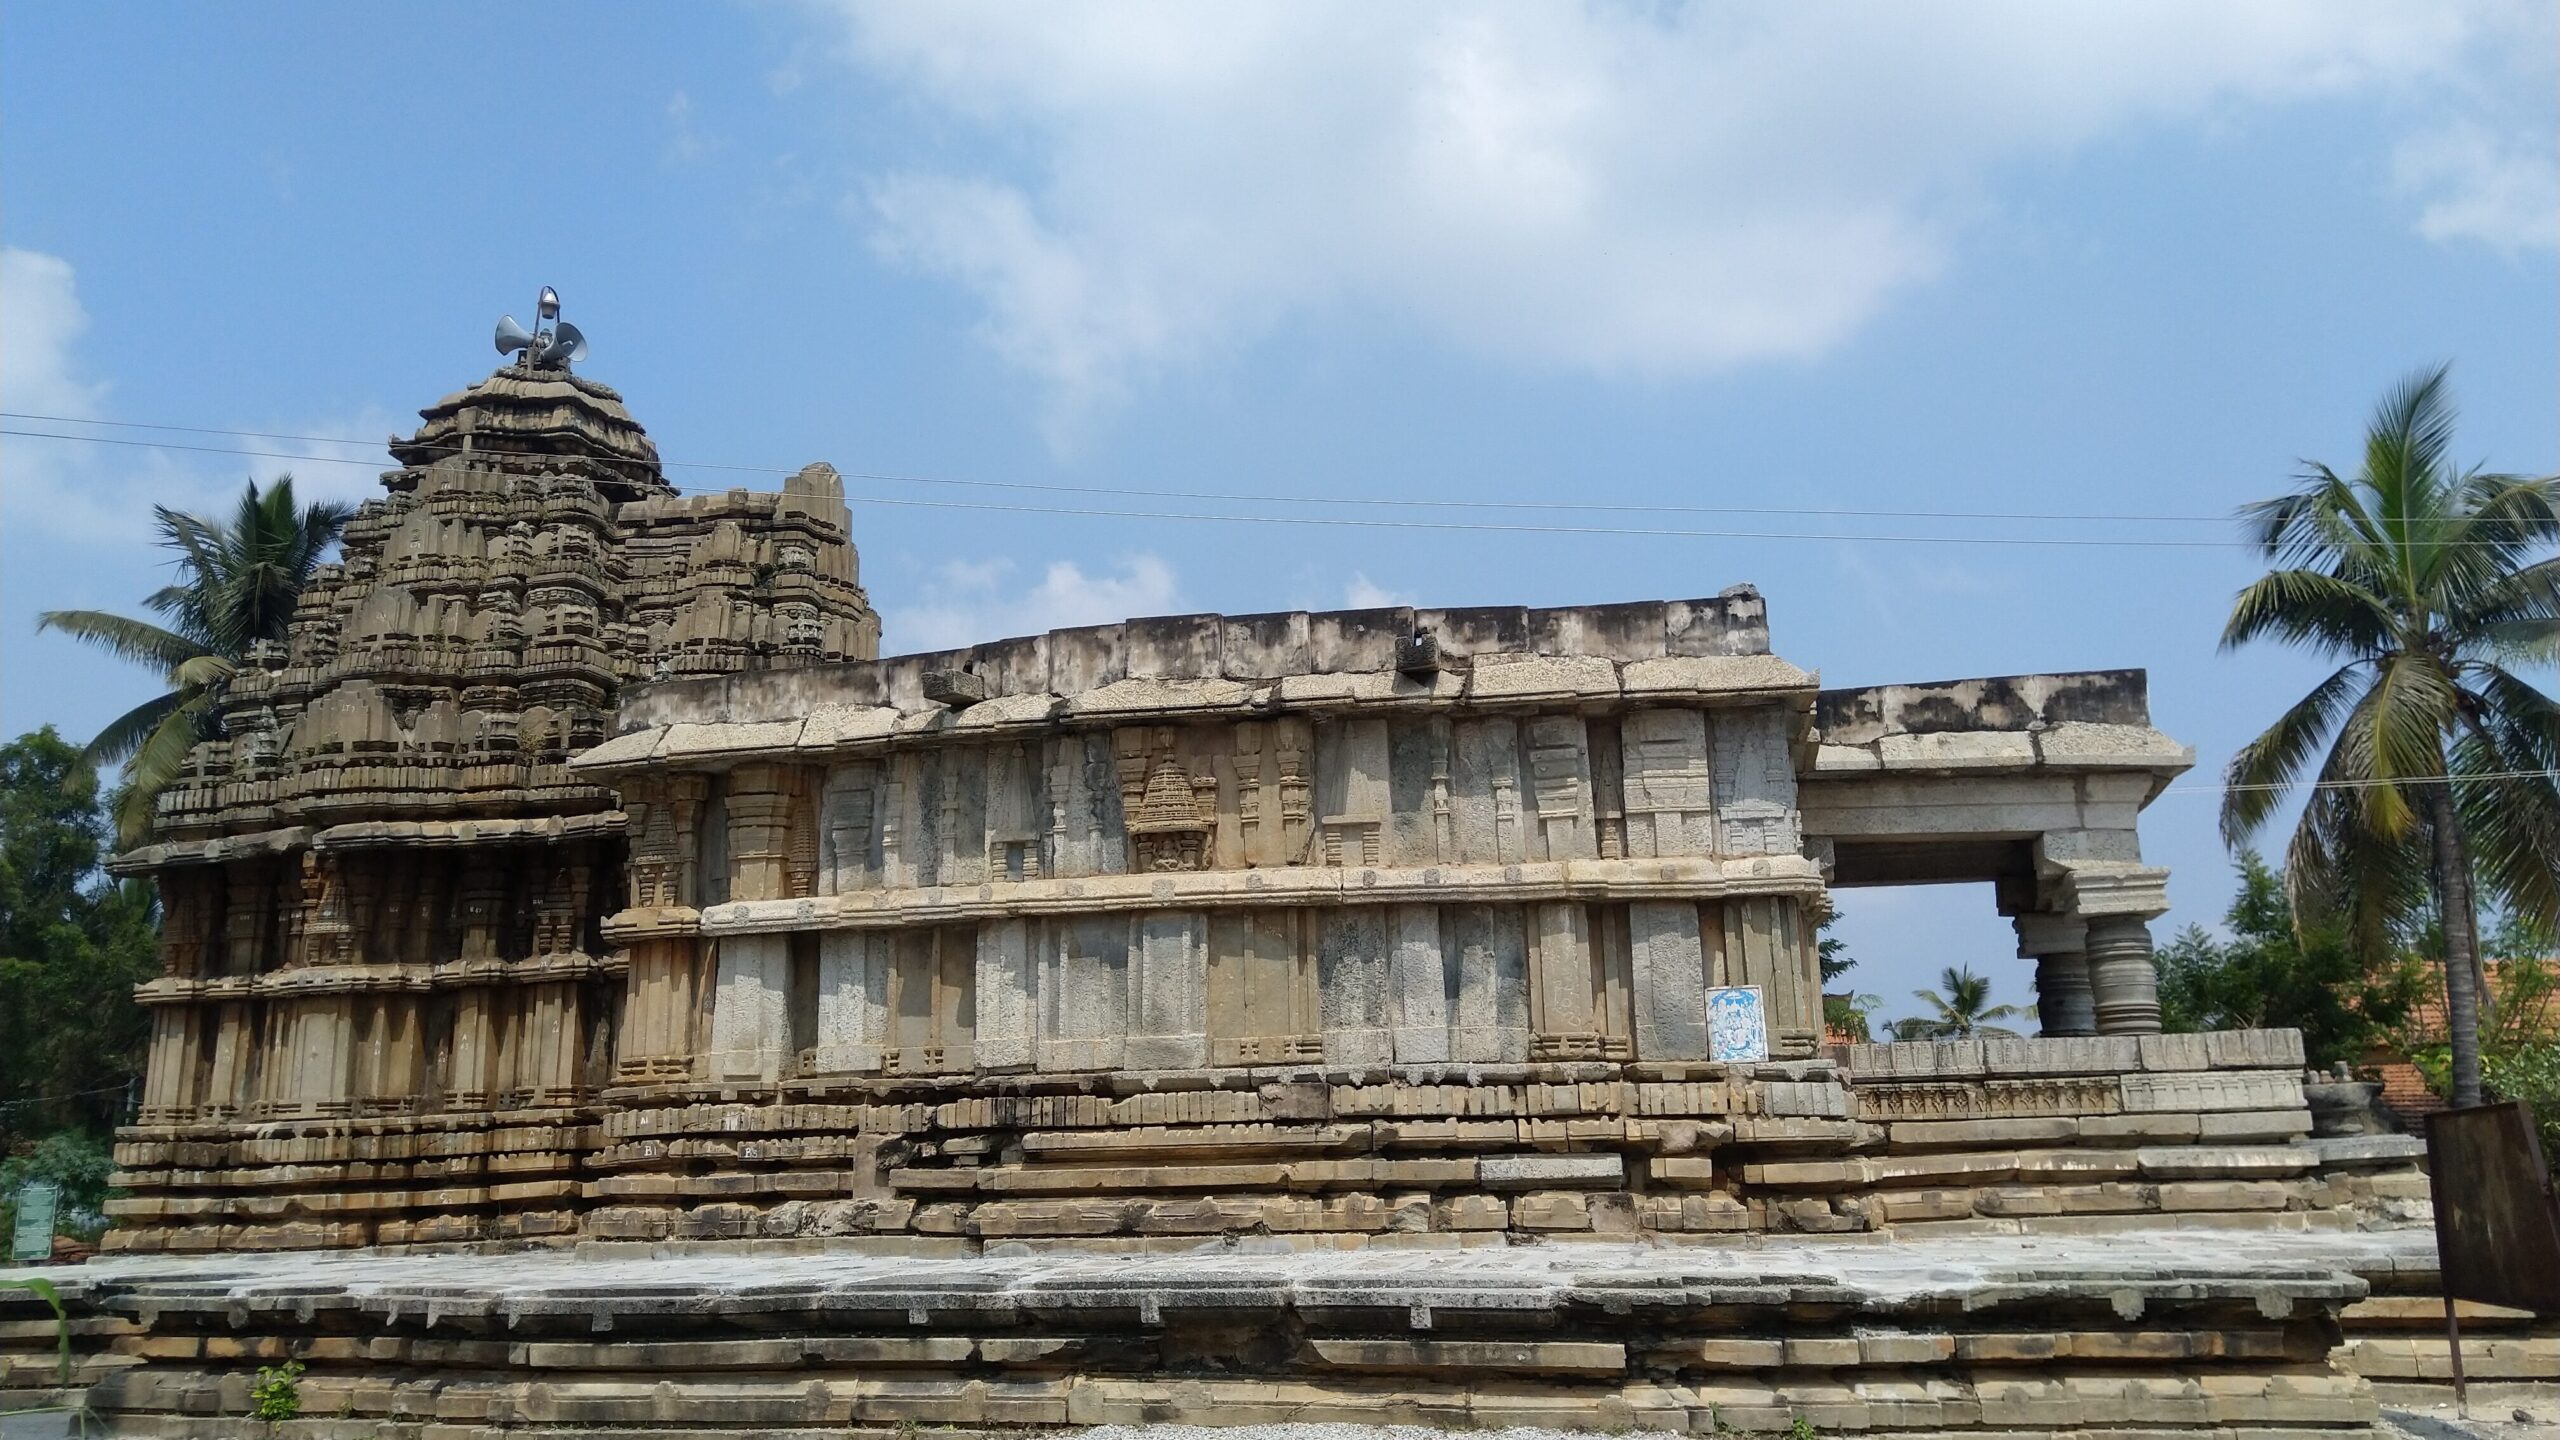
{"x": 2530, "y": 1073}
{"x": 276, "y": 1396}
{"x": 80, "y": 1164}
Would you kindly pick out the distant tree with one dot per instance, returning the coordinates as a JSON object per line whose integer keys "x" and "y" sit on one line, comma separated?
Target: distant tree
{"x": 2435, "y": 760}
{"x": 1848, "y": 1014}
{"x": 1959, "y": 1009}
{"x": 238, "y": 581}
{"x": 2275, "y": 973}
{"x": 73, "y": 944}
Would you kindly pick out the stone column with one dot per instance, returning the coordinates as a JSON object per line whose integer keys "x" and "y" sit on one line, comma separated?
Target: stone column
{"x": 2118, "y": 900}
{"x": 2059, "y": 944}
{"x": 2124, "y": 980}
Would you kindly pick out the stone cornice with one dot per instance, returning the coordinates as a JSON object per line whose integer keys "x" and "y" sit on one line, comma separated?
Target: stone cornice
{"x": 824, "y": 730}
{"x": 313, "y": 980}
{"x": 368, "y": 835}
{"x": 1570, "y": 880}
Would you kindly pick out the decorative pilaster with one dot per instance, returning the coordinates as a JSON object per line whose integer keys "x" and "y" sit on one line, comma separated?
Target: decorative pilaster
{"x": 750, "y": 1016}
{"x": 656, "y": 1038}
{"x": 759, "y": 833}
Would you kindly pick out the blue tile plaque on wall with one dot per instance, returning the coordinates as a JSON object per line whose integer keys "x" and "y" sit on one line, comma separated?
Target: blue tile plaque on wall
{"x": 1737, "y": 1026}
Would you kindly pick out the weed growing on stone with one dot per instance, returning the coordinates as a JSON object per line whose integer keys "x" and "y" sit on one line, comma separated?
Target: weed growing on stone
{"x": 276, "y": 1396}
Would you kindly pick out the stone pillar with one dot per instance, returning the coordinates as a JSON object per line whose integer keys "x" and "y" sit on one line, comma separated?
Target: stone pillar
{"x": 2117, "y": 899}
{"x": 550, "y": 1043}
{"x": 229, "y": 1072}
{"x": 2124, "y": 980}
{"x": 1352, "y": 969}
{"x": 2059, "y": 944}
{"x": 1571, "y": 990}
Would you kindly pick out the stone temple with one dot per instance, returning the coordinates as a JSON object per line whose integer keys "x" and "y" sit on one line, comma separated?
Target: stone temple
{"x": 703, "y": 1024}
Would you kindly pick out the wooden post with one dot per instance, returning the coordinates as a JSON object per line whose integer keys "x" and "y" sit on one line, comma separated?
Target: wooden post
{"x": 2453, "y": 1340}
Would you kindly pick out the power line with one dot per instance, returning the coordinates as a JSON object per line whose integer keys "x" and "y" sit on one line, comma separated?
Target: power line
{"x": 2281, "y": 785}
{"x": 1333, "y": 521}
{"x": 1480, "y": 527}
{"x": 1398, "y": 502}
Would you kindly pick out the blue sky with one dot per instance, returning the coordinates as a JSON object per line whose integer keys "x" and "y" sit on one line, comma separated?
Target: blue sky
{"x": 2095, "y": 259}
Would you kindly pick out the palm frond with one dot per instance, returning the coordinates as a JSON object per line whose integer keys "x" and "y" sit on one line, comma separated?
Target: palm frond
{"x": 2414, "y": 708}
{"x": 204, "y": 672}
{"x": 2319, "y": 611}
{"x": 2509, "y": 801}
{"x": 157, "y": 762}
{"x": 124, "y": 637}
{"x": 2263, "y": 770}
{"x": 2408, "y": 438}
{"x": 126, "y": 733}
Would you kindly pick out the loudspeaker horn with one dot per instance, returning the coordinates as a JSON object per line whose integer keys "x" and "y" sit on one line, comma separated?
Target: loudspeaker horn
{"x": 568, "y": 345}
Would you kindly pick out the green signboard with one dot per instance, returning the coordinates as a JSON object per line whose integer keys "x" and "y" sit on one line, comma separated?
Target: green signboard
{"x": 38, "y": 1202}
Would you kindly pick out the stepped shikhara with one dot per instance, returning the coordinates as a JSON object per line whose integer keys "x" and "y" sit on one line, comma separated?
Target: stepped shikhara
{"x": 381, "y": 888}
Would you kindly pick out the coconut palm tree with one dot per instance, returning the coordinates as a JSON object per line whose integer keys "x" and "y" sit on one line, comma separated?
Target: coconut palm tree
{"x": 2434, "y": 760}
{"x": 237, "y": 584}
{"x": 1962, "y": 1012}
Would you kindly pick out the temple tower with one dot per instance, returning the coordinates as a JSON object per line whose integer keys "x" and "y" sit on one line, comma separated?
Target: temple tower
{"x": 382, "y": 883}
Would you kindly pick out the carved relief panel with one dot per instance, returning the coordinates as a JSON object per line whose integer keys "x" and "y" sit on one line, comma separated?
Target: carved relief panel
{"x": 1559, "y": 770}
{"x": 1668, "y": 783}
{"x": 849, "y": 828}
{"x": 1168, "y": 796}
{"x": 1017, "y": 812}
{"x": 1084, "y": 819}
{"x": 1269, "y": 820}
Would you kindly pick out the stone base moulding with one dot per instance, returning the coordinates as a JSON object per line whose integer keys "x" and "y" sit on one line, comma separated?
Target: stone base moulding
{"x": 2162, "y": 1333}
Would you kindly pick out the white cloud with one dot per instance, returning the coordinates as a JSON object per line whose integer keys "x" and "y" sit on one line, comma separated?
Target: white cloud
{"x": 685, "y": 141}
{"x": 1362, "y": 593}
{"x": 1613, "y": 188}
{"x": 2501, "y": 190}
{"x": 45, "y": 321}
{"x": 967, "y": 602}
{"x": 99, "y": 493}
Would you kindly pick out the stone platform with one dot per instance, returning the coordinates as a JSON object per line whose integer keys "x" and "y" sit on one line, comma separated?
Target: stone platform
{"x": 2164, "y": 1332}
